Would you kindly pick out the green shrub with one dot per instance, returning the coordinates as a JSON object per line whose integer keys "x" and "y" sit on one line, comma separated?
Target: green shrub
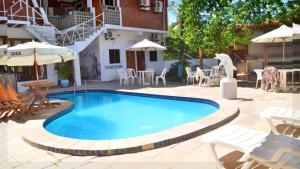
{"x": 65, "y": 70}
{"x": 173, "y": 73}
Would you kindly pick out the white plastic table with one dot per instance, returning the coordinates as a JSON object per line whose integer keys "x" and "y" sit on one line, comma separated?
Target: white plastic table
{"x": 143, "y": 73}
{"x": 283, "y": 79}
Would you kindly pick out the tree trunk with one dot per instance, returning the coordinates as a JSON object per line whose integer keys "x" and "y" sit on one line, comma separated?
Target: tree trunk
{"x": 201, "y": 53}
{"x": 181, "y": 51}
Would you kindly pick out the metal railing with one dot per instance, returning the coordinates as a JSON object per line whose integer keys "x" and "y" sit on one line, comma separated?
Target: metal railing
{"x": 74, "y": 18}
{"x": 112, "y": 15}
{"x": 2, "y": 8}
{"x": 80, "y": 32}
{"x": 16, "y": 12}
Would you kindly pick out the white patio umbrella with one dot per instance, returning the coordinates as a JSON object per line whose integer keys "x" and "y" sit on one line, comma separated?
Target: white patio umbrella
{"x": 282, "y": 34}
{"x": 296, "y": 31}
{"x": 146, "y": 45}
{"x": 3, "y": 57}
{"x": 37, "y": 53}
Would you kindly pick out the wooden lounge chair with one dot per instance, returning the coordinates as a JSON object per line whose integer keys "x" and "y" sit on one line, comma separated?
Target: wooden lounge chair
{"x": 7, "y": 106}
{"x": 16, "y": 105}
{"x": 274, "y": 151}
{"x": 288, "y": 116}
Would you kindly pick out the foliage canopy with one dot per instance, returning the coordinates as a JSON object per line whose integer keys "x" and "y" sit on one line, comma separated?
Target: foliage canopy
{"x": 213, "y": 26}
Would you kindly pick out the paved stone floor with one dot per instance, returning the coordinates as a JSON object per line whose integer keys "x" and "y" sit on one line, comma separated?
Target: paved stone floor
{"x": 15, "y": 153}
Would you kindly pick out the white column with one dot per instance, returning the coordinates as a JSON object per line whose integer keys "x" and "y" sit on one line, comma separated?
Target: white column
{"x": 94, "y": 16}
{"x": 52, "y": 74}
{"x": 89, "y": 3}
{"x": 45, "y": 5}
{"x": 27, "y": 15}
{"x": 76, "y": 70}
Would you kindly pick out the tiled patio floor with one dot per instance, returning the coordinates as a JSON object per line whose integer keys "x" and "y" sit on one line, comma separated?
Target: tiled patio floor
{"x": 15, "y": 153}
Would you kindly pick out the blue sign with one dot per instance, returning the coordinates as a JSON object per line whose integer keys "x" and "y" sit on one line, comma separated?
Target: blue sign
{"x": 114, "y": 67}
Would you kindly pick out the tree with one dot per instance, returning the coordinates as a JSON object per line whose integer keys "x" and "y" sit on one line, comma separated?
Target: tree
{"x": 214, "y": 26}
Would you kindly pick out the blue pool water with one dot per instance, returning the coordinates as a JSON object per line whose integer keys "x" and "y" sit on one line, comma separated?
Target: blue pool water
{"x": 104, "y": 116}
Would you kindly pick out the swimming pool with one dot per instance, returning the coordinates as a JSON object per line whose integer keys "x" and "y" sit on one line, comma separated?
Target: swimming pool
{"x": 107, "y": 115}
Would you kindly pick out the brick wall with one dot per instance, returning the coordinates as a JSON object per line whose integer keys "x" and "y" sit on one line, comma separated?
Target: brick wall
{"x": 132, "y": 16}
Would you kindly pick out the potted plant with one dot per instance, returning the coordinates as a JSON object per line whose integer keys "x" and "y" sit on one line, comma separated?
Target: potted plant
{"x": 65, "y": 73}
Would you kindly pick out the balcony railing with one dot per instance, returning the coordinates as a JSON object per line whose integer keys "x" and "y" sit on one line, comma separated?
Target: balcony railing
{"x": 74, "y": 18}
{"x": 112, "y": 15}
{"x": 2, "y": 8}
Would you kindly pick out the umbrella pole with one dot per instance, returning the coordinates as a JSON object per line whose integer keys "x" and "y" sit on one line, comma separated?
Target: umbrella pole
{"x": 36, "y": 66}
{"x": 283, "y": 52}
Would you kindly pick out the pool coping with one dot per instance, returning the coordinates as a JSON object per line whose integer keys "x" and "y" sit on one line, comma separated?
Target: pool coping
{"x": 36, "y": 135}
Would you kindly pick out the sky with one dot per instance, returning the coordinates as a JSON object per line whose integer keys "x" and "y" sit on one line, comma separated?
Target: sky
{"x": 171, "y": 15}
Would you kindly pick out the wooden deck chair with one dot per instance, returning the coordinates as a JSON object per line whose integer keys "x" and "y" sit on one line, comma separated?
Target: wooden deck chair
{"x": 7, "y": 105}
{"x": 5, "y": 108}
{"x": 274, "y": 151}
{"x": 22, "y": 106}
{"x": 288, "y": 116}
{"x": 21, "y": 96}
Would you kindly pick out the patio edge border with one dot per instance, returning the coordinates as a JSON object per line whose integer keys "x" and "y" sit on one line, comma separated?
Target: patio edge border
{"x": 226, "y": 113}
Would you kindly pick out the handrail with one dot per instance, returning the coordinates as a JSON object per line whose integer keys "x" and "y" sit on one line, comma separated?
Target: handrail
{"x": 18, "y": 9}
{"x": 20, "y": 2}
{"x": 79, "y": 32}
{"x": 73, "y": 27}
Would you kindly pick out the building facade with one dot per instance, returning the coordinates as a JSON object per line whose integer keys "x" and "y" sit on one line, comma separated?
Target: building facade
{"x": 100, "y": 31}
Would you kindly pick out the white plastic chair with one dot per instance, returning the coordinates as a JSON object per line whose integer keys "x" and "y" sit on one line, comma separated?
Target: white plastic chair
{"x": 204, "y": 79}
{"x": 259, "y": 74}
{"x": 162, "y": 76}
{"x": 288, "y": 116}
{"x": 149, "y": 76}
{"x": 274, "y": 151}
{"x": 123, "y": 77}
{"x": 132, "y": 75}
{"x": 215, "y": 74}
{"x": 189, "y": 75}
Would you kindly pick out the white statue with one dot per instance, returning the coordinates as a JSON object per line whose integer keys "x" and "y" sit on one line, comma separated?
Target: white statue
{"x": 228, "y": 85}
{"x": 226, "y": 61}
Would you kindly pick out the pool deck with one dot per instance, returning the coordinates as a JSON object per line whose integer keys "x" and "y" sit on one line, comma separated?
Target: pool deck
{"x": 193, "y": 153}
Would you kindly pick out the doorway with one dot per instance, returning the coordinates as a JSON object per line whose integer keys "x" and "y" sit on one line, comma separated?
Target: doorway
{"x": 130, "y": 59}
{"x": 136, "y": 60}
{"x": 140, "y": 56}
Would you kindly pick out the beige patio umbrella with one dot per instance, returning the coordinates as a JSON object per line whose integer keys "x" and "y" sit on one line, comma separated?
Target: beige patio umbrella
{"x": 37, "y": 53}
{"x": 296, "y": 31}
{"x": 3, "y": 57}
{"x": 146, "y": 45}
{"x": 282, "y": 34}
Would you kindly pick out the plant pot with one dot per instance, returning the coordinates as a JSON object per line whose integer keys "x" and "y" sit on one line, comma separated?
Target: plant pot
{"x": 64, "y": 83}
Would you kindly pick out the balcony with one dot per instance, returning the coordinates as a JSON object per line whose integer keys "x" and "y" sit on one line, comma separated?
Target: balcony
{"x": 112, "y": 15}
{"x": 70, "y": 20}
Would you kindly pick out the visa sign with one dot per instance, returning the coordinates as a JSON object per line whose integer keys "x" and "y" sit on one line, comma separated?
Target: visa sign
{"x": 16, "y": 53}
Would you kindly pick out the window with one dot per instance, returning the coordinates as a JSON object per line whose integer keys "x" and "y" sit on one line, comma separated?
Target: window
{"x": 153, "y": 56}
{"x": 109, "y": 2}
{"x": 114, "y": 56}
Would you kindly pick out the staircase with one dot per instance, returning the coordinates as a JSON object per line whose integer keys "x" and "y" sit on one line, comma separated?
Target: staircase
{"x": 36, "y": 22}
{"x": 42, "y": 33}
{"x": 78, "y": 37}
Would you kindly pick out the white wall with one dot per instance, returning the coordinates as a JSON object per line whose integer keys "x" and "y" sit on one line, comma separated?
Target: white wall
{"x": 123, "y": 40}
{"x": 3, "y": 30}
{"x": 207, "y": 62}
{"x": 158, "y": 65}
{"x": 19, "y": 33}
{"x": 89, "y": 69}
{"x": 52, "y": 74}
